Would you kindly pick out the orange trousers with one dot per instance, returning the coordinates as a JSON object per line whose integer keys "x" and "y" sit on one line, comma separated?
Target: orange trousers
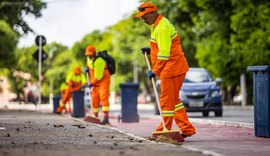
{"x": 67, "y": 93}
{"x": 100, "y": 94}
{"x": 172, "y": 107}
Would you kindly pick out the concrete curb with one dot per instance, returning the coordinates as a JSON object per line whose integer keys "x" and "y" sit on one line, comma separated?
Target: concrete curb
{"x": 188, "y": 147}
{"x": 214, "y": 122}
{"x": 238, "y": 107}
{"x": 205, "y": 152}
{"x": 222, "y": 123}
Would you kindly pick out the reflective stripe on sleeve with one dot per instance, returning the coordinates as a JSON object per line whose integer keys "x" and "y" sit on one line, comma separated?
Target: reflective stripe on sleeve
{"x": 160, "y": 57}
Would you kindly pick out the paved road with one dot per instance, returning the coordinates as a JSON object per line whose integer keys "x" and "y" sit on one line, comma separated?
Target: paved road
{"x": 230, "y": 113}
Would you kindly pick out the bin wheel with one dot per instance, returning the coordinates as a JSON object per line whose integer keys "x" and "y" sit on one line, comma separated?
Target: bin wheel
{"x": 119, "y": 118}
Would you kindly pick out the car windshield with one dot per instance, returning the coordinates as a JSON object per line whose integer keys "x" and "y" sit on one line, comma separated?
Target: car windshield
{"x": 194, "y": 76}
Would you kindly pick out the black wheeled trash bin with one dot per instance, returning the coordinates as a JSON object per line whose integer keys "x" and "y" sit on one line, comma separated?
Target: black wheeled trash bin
{"x": 261, "y": 93}
{"x": 129, "y": 95}
{"x": 56, "y": 101}
{"x": 78, "y": 104}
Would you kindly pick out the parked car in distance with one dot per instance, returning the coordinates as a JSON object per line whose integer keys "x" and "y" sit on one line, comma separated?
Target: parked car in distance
{"x": 200, "y": 93}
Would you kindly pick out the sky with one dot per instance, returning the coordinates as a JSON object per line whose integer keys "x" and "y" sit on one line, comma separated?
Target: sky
{"x": 68, "y": 21}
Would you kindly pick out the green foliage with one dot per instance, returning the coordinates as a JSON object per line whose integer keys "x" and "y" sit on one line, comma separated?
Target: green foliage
{"x": 12, "y": 25}
{"x": 16, "y": 82}
{"x": 213, "y": 45}
{"x": 12, "y": 12}
{"x": 8, "y": 41}
{"x": 56, "y": 67}
{"x": 223, "y": 36}
{"x": 25, "y": 64}
{"x": 182, "y": 14}
{"x": 250, "y": 40}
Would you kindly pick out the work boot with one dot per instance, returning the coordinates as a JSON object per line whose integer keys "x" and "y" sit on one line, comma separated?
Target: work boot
{"x": 95, "y": 114}
{"x": 105, "y": 121}
{"x": 184, "y": 135}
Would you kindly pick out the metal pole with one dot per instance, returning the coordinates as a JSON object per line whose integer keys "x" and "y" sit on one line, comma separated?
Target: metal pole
{"x": 135, "y": 69}
{"x": 51, "y": 82}
{"x": 39, "y": 70}
{"x": 243, "y": 89}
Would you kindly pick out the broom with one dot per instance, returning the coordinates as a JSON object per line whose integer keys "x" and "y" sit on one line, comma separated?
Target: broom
{"x": 172, "y": 134}
{"x": 89, "y": 118}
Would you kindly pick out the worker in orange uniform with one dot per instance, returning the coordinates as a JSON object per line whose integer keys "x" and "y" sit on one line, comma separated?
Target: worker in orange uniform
{"x": 99, "y": 83}
{"x": 75, "y": 80}
{"x": 63, "y": 88}
{"x": 169, "y": 64}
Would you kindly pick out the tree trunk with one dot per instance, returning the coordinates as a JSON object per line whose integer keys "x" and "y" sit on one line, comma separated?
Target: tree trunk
{"x": 228, "y": 93}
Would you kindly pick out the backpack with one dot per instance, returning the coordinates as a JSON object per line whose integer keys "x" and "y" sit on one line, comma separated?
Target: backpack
{"x": 109, "y": 60}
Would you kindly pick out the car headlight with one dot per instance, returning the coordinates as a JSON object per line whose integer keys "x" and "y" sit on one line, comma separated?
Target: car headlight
{"x": 215, "y": 93}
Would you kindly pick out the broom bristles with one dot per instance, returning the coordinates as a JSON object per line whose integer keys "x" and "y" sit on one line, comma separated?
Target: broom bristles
{"x": 92, "y": 119}
{"x": 172, "y": 134}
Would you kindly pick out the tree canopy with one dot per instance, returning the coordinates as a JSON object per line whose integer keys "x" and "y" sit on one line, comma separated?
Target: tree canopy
{"x": 223, "y": 36}
{"x": 13, "y": 25}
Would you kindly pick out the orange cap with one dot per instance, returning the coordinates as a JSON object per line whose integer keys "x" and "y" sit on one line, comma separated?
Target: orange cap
{"x": 77, "y": 70}
{"x": 145, "y": 8}
{"x": 90, "y": 50}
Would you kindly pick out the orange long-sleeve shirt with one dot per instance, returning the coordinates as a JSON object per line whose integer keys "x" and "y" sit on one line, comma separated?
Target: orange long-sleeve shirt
{"x": 167, "y": 57}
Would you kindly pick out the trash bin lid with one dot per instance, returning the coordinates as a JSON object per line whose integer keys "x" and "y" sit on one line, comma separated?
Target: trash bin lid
{"x": 129, "y": 84}
{"x": 258, "y": 68}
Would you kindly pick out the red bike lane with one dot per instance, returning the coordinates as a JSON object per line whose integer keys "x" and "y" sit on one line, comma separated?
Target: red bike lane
{"x": 221, "y": 139}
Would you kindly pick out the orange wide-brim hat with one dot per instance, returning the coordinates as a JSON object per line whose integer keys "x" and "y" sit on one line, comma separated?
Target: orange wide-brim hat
{"x": 145, "y": 8}
{"x": 90, "y": 50}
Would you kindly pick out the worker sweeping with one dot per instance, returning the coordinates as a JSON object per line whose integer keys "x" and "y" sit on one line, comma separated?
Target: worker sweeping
{"x": 169, "y": 65}
{"x": 75, "y": 80}
{"x": 99, "y": 83}
{"x": 63, "y": 88}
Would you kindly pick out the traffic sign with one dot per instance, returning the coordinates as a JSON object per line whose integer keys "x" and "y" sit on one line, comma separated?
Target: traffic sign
{"x": 44, "y": 55}
{"x": 43, "y": 40}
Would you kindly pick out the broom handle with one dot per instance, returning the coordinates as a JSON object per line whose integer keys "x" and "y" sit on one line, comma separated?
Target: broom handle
{"x": 156, "y": 93}
{"x": 87, "y": 79}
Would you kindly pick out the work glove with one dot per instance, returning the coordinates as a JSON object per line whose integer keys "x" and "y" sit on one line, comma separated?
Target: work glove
{"x": 84, "y": 86}
{"x": 86, "y": 70}
{"x": 146, "y": 49}
{"x": 72, "y": 85}
{"x": 90, "y": 85}
{"x": 151, "y": 74}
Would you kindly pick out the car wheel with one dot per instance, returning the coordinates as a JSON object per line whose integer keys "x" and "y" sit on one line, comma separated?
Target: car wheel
{"x": 218, "y": 113}
{"x": 205, "y": 113}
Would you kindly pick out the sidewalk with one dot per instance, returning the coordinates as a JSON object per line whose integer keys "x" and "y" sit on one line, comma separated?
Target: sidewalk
{"x": 32, "y": 133}
{"x": 213, "y": 137}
